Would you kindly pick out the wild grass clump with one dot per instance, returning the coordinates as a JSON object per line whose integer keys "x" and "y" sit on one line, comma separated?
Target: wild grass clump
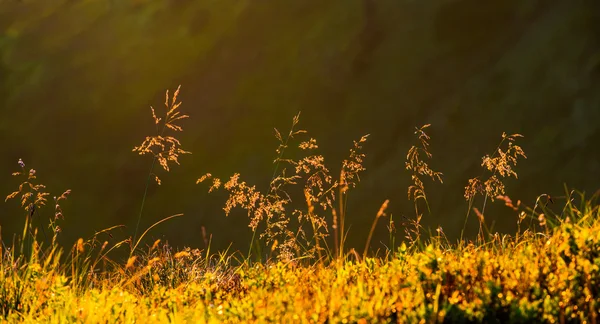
{"x": 549, "y": 272}
{"x": 306, "y": 238}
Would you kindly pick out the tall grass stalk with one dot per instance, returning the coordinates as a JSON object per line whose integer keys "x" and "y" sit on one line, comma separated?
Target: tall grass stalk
{"x": 164, "y": 149}
{"x": 501, "y": 164}
{"x": 380, "y": 213}
{"x": 139, "y": 219}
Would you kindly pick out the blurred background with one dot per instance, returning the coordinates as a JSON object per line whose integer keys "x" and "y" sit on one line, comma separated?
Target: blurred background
{"x": 77, "y": 78}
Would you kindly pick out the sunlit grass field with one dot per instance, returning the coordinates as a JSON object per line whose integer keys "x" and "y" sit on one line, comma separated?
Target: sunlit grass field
{"x": 298, "y": 268}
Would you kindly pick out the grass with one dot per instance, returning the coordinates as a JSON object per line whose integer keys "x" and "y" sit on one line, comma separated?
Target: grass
{"x": 548, "y": 272}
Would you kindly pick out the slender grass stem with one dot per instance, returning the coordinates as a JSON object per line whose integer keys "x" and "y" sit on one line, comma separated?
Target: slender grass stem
{"x": 137, "y": 226}
{"x": 341, "y": 214}
{"x": 466, "y": 219}
{"x": 251, "y": 243}
{"x": 484, "y": 204}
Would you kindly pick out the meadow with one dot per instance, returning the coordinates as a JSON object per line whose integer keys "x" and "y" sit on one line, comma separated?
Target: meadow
{"x": 298, "y": 268}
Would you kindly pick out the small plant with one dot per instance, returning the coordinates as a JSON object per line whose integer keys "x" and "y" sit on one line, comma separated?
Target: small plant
{"x": 270, "y": 207}
{"x": 501, "y": 165}
{"x": 33, "y": 197}
{"x": 164, "y": 149}
{"x": 318, "y": 188}
{"x": 349, "y": 177}
{"x": 417, "y": 165}
{"x": 415, "y": 162}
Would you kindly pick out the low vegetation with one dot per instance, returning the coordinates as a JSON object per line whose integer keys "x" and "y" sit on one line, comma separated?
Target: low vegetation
{"x": 547, "y": 272}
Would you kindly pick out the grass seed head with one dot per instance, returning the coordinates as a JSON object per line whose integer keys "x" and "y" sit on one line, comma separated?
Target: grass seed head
{"x": 164, "y": 148}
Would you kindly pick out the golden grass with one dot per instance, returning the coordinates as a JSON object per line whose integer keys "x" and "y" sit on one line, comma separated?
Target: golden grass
{"x": 418, "y": 167}
{"x": 547, "y": 276}
{"x": 501, "y": 165}
{"x": 541, "y": 278}
{"x": 33, "y": 197}
{"x": 306, "y": 237}
{"x": 164, "y": 148}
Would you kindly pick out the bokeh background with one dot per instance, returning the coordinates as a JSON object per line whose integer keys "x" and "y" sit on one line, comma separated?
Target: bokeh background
{"x": 77, "y": 78}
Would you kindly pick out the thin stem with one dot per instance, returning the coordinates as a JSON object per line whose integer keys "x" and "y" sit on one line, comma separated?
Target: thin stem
{"x": 251, "y": 242}
{"x": 341, "y": 197}
{"x": 290, "y": 134}
{"x": 369, "y": 237}
{"x": 316, "y": 237}
{"x": 35, "y": 211}
{"x": 466, "y": 218}
{"x": 484, "y": 203}
{"x": 137, "y": 226}
{"x": 335, "y": 231}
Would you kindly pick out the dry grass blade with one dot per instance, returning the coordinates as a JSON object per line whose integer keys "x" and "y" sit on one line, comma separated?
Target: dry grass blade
{"x": 135, "y": 245}
{"x": 380, "y": 213}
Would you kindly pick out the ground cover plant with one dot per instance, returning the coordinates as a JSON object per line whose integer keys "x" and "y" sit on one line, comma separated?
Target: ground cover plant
{"x": 547, "y": 272}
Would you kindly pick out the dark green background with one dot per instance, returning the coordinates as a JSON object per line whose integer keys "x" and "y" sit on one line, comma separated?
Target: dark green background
{"x": 77, "y": 78}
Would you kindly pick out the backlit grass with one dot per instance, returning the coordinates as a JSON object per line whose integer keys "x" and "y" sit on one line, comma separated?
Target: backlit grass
{"x": 549, "y": 271}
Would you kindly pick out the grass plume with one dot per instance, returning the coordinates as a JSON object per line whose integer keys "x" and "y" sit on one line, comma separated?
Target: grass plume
{"x": 307, "y": 237}
{"x": 163, "y": 148}
{"x": 500, "y": 165}
{"x": 416, "y": 163}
